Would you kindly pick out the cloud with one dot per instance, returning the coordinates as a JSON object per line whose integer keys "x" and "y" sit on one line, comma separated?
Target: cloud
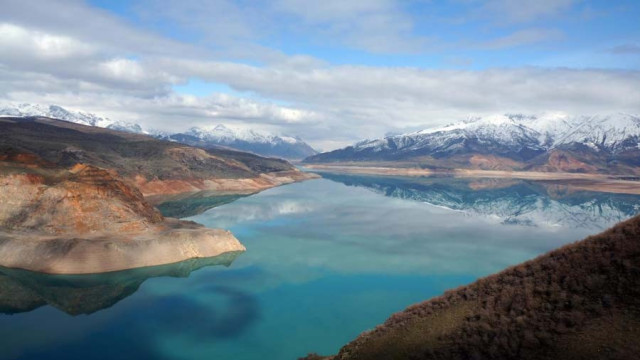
{"x": 525, "y": 11}
{"x": 14, "y": 39}
{"x": 79, "y": 57}
{"x": 377, "y": 25}
{"x": 626, "y": 49}
{"x": 523, "y": 37}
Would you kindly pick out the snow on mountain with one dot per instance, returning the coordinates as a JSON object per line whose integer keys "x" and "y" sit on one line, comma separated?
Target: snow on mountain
{"x": 245, "y": 139}
{"x": 220, "y": 135}
{"x": 58, "y": 112}
{"x": 225, "y": 134}
{"x": 521, "y": 204}
{"x": 513, "y": 135}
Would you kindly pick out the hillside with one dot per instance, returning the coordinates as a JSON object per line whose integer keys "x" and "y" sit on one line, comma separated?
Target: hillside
{"x": 249, "y": 140}
{"x": 551, "y": 143}
{"x": 84, "y": 219}
{"x": 581, "y": 301}
{"x": 156, "y": 167}
{"x": 58, "y": 112}
{"x": 75, "y": 198}
{"x": 286, "y": 147}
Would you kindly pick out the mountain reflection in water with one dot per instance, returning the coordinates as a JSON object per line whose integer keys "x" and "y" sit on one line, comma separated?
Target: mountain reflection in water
{"x": 23, "y": 291}
{"x": 508, "y": 201}
{"x": 326, "y": 260}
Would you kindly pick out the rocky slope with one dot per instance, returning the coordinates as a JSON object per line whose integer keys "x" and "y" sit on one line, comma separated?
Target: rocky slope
{"x": 84, "y": 219}
{"x": 265, "y": 144}
{"x": 155, "y": 167}
{"x": 74, "y": 197}
{"x": 551, "y": 142}
{"x": 581, "y": 301}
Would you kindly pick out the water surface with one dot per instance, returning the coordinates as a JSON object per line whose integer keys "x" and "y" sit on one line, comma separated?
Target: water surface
{"x": 326, "y": 259}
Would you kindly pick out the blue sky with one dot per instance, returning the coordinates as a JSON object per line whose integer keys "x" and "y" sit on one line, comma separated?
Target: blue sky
{"x": 436, "y": 34}
{"x": 332, "y": 72}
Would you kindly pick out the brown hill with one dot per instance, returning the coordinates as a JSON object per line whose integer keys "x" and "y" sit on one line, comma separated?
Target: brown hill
{"x": 581, "y": 301}
{"x": 156, "y": 167}
{"x": 85, "y": 219}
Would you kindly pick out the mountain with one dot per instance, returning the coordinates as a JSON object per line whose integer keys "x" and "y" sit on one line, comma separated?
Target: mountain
{"x": 76, "y": 198}
{"x": 83, "y": 219}
{"x": 154, "y": 166}
{"x": 506, "y": 201}
{"x": 58, "y": 112}
{"x": 581, "y": 301}
{"x": 243, "y": 139}
{"x": 286, "y": 147}
{"x": 551, "y": 142}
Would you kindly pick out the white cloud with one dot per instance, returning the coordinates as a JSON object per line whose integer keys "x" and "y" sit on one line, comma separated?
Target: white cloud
{"x": 524, "y": 11}
{"x": 626, "y": 49}
{"x": 72, "y": 55}
{"x": 523, "y": 37}
{"x": 15, "y": 39}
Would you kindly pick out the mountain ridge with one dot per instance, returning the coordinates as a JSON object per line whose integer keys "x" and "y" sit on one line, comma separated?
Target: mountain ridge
{"x": 260, "y": 143}
{"x": 287, "y": 147}
{"x": 599, "y": 143}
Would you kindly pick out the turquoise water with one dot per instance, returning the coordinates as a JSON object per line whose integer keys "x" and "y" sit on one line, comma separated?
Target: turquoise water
{"x": 326, "y": 259}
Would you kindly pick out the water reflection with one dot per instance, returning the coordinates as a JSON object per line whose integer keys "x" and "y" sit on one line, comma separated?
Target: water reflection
{"x": 23, "y": 291}
{"x": 326, "y": 259}
{"x": 193, "y": 204}
{"x": 508, "y": 201}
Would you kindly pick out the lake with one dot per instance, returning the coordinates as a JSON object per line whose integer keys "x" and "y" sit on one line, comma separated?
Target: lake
{"x": 326, "y": 259}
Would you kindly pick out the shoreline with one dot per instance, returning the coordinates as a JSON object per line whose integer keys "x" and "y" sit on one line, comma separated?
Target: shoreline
{"x": 579, "y": 181}
{"x": 171, "y": 242}
{"x": 159, "y": 191}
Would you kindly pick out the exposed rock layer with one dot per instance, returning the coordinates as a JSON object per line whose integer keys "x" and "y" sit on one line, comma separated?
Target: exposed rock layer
{"x": 156, "y": 167}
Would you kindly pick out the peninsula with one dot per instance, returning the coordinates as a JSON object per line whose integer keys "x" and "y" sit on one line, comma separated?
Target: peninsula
{"x": 73, "y": 197}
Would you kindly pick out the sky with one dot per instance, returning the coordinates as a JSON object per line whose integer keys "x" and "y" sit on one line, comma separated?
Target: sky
{"x": 332, "y": 72}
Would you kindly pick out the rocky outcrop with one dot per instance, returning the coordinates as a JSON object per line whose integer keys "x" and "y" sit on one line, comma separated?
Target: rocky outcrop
{"x": 170, "y": 242}
{"x": 74, "y": 199}
{"x": 85, "y": 219}
{"x": 155, "y": 167}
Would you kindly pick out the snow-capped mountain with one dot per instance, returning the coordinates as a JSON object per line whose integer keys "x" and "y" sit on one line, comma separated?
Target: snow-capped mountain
{"x": 241, "y": 139}
{"x": 517, "y": 137}
{"x": 520, "y": 204}
{"x": 244, "y": 139}
{"x": 58, "y": 112}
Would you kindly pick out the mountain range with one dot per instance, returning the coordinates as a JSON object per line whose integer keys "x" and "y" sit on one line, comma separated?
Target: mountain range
{"x": 508, "y": 202}
{"x": 242, "y": 139}
{"x": 78, "y": 117}
{"x": 209, "y": 137}
{"x": 550, "y": 142}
